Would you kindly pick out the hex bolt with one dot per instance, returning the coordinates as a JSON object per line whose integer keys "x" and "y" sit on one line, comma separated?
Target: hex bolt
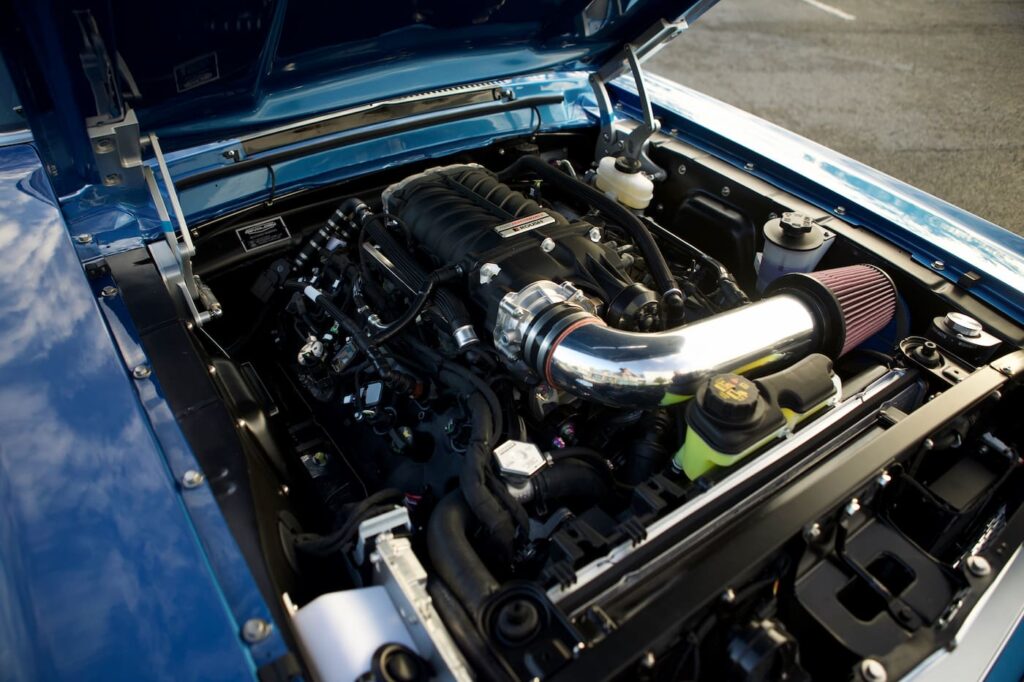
{"x": 594, "y": 234}
{"x": 938, "y": 265}
{"x": 748, "y": 166}
{"x": 726, "y": 191}
{"x": 192, "y": 479}
{"x": 729, "y": 596}
{"x": 873, "y": 671}
{"x": 840, "y": 210}
{"x": 255, "y": 630}
{"x": 112, "y": 180}
{"x": 103, "y": 145}
{"x": 978, "y": 566}
{"x": 548, "y": 245}
{"x": 681, "y": 170}
{"x": 108, "y": 292}
{"x": 83, "y": 238}
{"x": 141, "y": 371}
{"x": 648, "y": 660}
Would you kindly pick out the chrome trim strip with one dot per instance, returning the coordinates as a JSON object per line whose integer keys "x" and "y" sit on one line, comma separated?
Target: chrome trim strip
{"x": 339, "y": 121}
{"x": 15, "y": 137}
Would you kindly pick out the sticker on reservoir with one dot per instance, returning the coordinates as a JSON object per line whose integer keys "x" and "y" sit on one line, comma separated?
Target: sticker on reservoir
{"x": 260, "y": 235}
{"x": 530, "y": 222}
{"x": 196, "y": 72}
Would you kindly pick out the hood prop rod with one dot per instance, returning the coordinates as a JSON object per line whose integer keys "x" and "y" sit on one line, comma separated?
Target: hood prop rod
{"x": 173, "y": 258}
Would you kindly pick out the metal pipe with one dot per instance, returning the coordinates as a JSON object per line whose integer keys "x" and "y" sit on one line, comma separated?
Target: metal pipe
{"x": 632, "y": 369}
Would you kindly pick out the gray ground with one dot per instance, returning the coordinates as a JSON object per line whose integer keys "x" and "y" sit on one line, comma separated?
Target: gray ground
{"x": 928, "y": 91}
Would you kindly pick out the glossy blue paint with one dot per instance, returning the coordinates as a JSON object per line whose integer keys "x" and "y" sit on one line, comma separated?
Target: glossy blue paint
{"x": 115, "y": 223}
{"x": 102, "y": 575}
{"x": 273, "y": 62}
{"x": 928, "y": 228}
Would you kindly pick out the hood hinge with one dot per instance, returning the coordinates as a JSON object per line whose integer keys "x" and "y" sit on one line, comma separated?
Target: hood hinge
{"x": 616, "y": 140}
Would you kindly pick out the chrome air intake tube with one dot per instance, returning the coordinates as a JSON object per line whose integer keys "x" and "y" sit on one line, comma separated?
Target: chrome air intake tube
{"x": 548, "y": 327}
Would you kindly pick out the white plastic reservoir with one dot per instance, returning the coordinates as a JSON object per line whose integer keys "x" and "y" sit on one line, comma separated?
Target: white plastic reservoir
{"x": 340, "y": 632}
{"x": 629, "y": 187}
{"x": 792, "y": 243}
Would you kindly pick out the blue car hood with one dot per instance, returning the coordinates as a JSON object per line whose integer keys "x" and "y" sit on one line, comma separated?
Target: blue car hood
{"x": 195, "y": 71}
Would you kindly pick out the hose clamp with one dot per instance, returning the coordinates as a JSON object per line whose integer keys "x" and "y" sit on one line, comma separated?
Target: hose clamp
{"x": 518, "y": 310}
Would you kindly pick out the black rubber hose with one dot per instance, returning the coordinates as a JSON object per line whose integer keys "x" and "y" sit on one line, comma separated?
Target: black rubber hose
{"x": 345, "y": 322}
{"x": 451, "y": 308}
{"x": 671, "y": 295}
{"x": 579, "y": 452}
{"x": 406, "y": 318}
{"x": 471, "y": 643}
{"x": 731, "y": 292}
{"x": 570, "y": 479}
{"x": 486, "y": 506}
{"x": 454, "y": 558}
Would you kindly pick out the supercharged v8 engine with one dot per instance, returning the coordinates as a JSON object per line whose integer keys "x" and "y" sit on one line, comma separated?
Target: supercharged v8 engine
{"x": 508, "y": 410}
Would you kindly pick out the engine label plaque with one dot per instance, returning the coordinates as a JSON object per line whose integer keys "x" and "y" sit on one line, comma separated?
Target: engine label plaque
{"x": 520, "y": 225}
{"x": 261, "y": 235}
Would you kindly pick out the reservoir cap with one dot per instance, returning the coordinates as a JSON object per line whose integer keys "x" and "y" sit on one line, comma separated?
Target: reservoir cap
{"x": 794, "y": 231}
{"x": 730, "y": 398}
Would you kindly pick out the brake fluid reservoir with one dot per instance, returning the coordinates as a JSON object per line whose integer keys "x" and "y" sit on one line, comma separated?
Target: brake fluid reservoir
{"x": 622, "y": 179}
{"x": 792, "y": 243}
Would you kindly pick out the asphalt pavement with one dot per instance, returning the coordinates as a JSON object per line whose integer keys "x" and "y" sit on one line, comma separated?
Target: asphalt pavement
{"x": 928, "y": 91}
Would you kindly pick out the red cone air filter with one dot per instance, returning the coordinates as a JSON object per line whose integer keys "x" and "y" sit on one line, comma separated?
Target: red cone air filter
{"x": 853, "y": 303}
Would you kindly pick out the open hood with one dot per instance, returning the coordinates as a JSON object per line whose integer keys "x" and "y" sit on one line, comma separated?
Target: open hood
{"x": 194, "y": 71}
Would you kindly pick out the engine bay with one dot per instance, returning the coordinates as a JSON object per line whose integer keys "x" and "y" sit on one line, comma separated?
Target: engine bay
{"x": 505, "y": 400}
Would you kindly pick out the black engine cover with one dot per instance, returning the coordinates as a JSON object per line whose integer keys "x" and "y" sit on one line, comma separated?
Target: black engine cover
{"x": 464, "y": 215}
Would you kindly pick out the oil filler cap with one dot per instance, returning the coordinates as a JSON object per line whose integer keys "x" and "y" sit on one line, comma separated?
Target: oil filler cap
{"x": 730, "y": 399}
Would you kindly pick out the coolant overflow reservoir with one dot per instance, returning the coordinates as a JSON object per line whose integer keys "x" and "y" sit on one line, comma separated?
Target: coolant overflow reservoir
{"x": 792, "y": 243}
{"x": 622, "y": 179}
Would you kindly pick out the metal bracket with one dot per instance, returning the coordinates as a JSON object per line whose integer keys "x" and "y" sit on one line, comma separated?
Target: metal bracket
{"x": 117, "y": 149}
{"x": 389, "y": 521}
{"x": 114, "y": 130}
{"x": 174, "y": 259}
{"x": 614, "y": 139}
{"x": 397, "y": 569}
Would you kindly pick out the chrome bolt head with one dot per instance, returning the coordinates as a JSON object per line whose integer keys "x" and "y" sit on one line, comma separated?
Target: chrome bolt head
{"x": 852, "y": 508}
{"x": 192, "y": 479}
{"x": 873, "y": 671}
{"x": 939, "y": 265}
{"x": 141, "y": 371}
{"x": 255, "y": 630}
{"x": 840, "y": 210}
{"x": 108, "y": 292}
{"x": 548, "y": 245}
{"x": 729, "y": 596}
{"x": 83, "y": 238}
{"x": 726, "y": 191}
{"x": 813, "y": 533}
{"x": 978, "y": 566}
{"x": 595, "y": 234}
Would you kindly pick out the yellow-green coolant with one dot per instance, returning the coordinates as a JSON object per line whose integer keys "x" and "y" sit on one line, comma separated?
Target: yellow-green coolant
{"x": 732, "y": 417}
